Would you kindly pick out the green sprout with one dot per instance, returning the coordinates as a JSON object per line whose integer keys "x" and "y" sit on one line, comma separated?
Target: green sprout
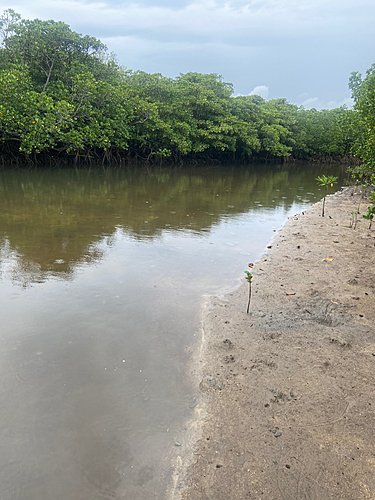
{"x": 353, "y": 219}
{"x": 326, "y": 181}
{"x": 249, "y": 279}
{"x": 369, "y": 215}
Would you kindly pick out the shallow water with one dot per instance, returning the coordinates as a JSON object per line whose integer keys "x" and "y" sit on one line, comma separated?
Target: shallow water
{"x": 102, "y": 279}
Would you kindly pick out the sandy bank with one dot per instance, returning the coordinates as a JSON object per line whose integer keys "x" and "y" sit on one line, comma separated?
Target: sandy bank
{"x": 290, "y": 387}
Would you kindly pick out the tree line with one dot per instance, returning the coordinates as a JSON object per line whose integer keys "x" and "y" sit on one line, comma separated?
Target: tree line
{"x": 64, "y": 97}
{"x": 362, "y": 124}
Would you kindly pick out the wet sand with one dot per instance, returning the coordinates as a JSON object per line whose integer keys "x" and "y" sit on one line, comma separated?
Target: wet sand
{"x": 288, "y": 401}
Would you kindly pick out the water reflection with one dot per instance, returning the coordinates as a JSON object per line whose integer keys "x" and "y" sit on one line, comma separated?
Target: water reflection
{"x": 50, "y": 222}
{"x": 101, "y": 285}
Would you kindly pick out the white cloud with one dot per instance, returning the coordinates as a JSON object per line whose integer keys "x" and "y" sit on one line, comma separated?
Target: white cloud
{"x": 261, "y": 90}
{"x": 315, "y": 102}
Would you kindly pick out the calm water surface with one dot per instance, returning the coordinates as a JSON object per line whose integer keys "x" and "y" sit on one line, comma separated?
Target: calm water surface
{"x": 102, "y": 279}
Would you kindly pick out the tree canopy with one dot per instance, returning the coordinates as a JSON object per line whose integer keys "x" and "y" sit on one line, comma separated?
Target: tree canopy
{"x": 63, "y": 95}
{"x": 362, "y": 122}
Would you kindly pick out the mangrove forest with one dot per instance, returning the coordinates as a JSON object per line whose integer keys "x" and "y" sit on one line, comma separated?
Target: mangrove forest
{"x": 64, "y": 98}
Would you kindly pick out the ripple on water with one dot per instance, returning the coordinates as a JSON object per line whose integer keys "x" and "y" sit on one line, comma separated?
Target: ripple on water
{"x": 11, "y": 476}
{"x": 32, "y": 369}
{"x": 14, "y": 378}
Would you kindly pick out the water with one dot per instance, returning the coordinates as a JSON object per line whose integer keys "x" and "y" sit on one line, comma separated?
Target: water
{"x": 102, "y": 280}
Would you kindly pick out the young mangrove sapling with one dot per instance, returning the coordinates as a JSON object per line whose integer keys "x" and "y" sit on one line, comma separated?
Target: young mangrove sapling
{"x": 326, "y": 181}
{"x": 369, "y": 215}
{"x": 353, "y": 219}
{"x": 249, "y": 279}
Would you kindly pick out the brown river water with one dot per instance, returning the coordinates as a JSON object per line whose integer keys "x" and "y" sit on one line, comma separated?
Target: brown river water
{"x": 103, "y": 276}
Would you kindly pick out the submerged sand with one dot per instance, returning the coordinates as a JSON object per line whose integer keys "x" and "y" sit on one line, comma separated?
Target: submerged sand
{"x": 289, "y": 388}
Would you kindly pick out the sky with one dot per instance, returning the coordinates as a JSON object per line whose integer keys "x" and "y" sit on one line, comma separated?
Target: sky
{"x": 303, "y": 50}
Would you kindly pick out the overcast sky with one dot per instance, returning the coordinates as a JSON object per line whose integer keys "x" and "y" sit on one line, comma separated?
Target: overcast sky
{"x": 303, "y": 50}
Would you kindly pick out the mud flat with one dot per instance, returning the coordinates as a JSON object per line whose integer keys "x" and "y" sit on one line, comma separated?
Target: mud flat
{"x": 289, "y": 388}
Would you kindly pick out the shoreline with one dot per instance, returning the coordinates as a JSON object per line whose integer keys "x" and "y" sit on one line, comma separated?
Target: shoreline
{"x": 191, "y": 430}
{"x": 287, "y": 390}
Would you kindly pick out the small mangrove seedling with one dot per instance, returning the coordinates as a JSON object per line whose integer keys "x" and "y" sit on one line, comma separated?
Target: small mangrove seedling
{"x": 249, "y": 279}
{"x": 369, "y": 215}
{"x": 353, "y": 219}
{"x": 326, "y": 181}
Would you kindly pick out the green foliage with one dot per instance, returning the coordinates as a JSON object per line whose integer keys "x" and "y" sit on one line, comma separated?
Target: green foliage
{"x": 249, "y": 276}
{"x": 321, "y": 133}
{"x": 249, "y": 279}
{"x": 363, "y": 122}
{"x": 51, "y": 49}
{"x": 31, "y": 119}
{"x": 62, "y": 93}
{"x": 361, "y": 173}
{"x": 326, "y": 181}
{"x": 369, "y": 215}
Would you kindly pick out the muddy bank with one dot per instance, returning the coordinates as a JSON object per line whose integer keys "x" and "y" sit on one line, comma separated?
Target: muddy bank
{"x": 289, "y": 388}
